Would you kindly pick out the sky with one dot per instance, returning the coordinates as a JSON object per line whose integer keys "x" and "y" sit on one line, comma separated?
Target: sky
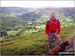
{"x": 37, "y": 4}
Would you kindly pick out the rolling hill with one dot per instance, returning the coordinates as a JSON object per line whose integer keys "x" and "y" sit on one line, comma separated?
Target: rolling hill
{"x": 45, "y": 13}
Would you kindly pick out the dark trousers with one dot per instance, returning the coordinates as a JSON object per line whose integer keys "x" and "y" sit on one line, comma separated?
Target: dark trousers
{"x": 50, "y": 38}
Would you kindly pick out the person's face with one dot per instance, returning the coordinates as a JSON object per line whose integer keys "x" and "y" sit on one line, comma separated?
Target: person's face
{"x": 53, "y": 15}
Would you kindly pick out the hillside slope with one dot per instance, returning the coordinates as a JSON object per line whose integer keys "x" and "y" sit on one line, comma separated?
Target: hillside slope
{"x": 45, "y": 13}
{"x": 34, "y": 43}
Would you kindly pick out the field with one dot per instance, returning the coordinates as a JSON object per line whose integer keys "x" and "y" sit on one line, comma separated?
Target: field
{"x": 26, "y": 27}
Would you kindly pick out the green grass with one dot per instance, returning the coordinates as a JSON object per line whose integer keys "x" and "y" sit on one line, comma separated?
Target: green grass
{"x": 68, "y": 20}
{"x": 28, "y": 32}
{"x": 11, "y": 32}
{"x": 43, "y": 26}
{"x": 35, "y": 43}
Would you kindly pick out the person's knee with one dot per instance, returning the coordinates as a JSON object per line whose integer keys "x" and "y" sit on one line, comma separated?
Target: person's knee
{"x": 58, "y": 42}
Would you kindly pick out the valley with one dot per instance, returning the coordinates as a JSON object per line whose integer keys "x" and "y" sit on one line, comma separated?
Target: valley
{"x": 23, "y": 29}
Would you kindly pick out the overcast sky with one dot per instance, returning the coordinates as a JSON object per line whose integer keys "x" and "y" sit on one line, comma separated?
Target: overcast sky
{"x": 37, "y": 4}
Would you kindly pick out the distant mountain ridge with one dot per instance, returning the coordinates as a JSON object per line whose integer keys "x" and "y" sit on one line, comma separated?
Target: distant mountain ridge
{"x": 45, "y": 13}
{"x": 14, "y": 9}
{"x": 60, "y": 11}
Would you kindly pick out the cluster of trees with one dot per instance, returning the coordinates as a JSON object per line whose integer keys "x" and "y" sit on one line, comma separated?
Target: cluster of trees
{"x": 3, "y": 33}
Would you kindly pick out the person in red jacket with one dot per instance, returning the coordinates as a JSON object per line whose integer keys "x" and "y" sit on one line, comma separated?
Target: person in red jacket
{"x": 52, "y": 25}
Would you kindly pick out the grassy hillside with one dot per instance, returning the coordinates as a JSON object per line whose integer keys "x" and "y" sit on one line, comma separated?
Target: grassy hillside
{"x": 35, "y": 43}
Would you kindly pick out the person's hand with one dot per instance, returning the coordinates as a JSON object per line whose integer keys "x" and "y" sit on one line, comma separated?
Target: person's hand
{"x": 58, "y": 36}
{"x": 47, "y": 37}
{"x": 60, "y": 39}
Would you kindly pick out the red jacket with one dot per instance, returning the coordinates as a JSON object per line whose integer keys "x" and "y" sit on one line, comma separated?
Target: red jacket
{"x": 52, "y": 26}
